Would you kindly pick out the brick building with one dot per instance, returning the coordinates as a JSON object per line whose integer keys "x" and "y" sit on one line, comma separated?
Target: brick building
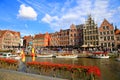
{"x": 75, "y": 35}
{"x": 41, "y": 40}
{"x": 64, "y": 37}
{"x": 9, "y": 39}
{"x": 107, "y": 36}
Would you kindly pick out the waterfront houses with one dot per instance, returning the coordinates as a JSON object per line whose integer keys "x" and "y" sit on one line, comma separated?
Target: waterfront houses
{"x": 54, "y": 39}
{"x": 107, "y": 35}
{"x": 9, "y": 39}
{"x": 75, "y": 35}
{"x": 90, "y": 33}
{"x": 41, "y": 40}
{"x": 64, "y": 37}
{"x": 87, "y": 35}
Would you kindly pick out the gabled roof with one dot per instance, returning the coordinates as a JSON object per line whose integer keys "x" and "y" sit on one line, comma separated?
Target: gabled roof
{"x": 2, "y": 32}
{"x": 117, "y": 32}
{"x": 106, "y": 23}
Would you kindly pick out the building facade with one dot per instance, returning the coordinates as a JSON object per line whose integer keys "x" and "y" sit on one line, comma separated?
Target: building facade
{"x": 54, "y": 39}
{"x": 64, "y": 38}
{"x": 117, "y": 38}
{"x": 75, "y": 35}
{"x": 90, "y": 33}
{"x": 9, "y": 39}
{"x": 41, "y": 40}
{"x": 107, "y": 35}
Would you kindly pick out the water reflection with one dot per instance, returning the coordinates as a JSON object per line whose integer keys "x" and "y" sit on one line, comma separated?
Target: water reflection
{"x": 110, "y": 69}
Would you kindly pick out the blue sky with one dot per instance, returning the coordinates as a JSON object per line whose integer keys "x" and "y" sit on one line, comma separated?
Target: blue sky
{"x": 39, "y": 16}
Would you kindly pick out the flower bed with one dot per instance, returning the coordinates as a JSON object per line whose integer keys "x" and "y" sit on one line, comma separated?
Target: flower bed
{"x": 73, "y": 72}
{"x": 8, "y": 63}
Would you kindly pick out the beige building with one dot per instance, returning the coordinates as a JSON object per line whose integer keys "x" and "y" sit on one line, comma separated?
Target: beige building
{"x": 90, "y": 33}
{"x": 9, "y": 39}
{"x": 107, "y": 35}
{"x": 54, "y": 39}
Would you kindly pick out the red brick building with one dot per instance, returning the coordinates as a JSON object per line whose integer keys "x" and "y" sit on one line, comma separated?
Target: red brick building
{"x": 107, "y": 36}
{"x": 64, "y": 37}
{"x": 75, "y": 35}
{"x": 41, "y": 40}
{"x": 9, "y": 39}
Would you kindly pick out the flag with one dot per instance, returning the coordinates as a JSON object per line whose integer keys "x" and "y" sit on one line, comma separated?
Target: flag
{"x": 22, "y": 56}
{"x": 33, "y": 54}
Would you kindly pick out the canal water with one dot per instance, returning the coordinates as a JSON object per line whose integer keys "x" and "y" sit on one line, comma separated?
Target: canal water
{"x": 110, "y": 69}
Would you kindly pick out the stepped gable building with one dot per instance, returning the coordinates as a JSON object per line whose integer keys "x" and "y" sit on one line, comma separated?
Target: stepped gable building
{"x": 107, "y": 36}
{"x": 41, "y": 40}
{"x": 90, "y": 33}
{"x": 9, "y": 39}
{"x": 75, "y": 35}
{"x": 54, "y": 39}
{"x": 117, "y": 36}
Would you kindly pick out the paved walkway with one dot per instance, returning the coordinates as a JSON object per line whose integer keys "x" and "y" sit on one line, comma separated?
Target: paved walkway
{"x": 15, "y": 75}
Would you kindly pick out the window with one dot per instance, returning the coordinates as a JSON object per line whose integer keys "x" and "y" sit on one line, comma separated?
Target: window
{"x": 111, "y": 32}
{"x": 104, "y": 27}
{"x": 109, "y": 44}
{"x": 107, "y": 32}
{"x": 102, "y": 44}
{"x": 105, "y": 45}
{"x": 104, "y": 33}
{"x": 75, "y": 35}
{"x": 105, "y": 38}
{"x": 107, "y": 27}
{"x": 112, "y": 37}
{"x": 108, "y": 38}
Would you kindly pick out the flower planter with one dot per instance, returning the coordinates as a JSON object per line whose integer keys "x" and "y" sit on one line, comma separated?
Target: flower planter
{"x": 65, "y": 71}
{"x": 8, "y": 64}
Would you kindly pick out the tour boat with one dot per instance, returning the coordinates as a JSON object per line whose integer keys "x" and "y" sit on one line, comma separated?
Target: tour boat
{"x": 44, "y": 55}
{"x": 66, "y": 55}
{"x": 10, "y": 55}
{"x": 100, "y": 55}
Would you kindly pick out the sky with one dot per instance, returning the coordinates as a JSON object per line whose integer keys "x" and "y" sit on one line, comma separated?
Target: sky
{"x": 31, "y": 17}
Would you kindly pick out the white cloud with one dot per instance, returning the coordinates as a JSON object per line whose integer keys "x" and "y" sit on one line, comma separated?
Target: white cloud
{"x": 68, "y": 13}
{"x": 48, "y": 19}
{"x": 27, "y": 12}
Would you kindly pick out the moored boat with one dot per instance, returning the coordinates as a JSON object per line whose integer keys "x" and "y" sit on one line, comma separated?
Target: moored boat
{"x": 44, "y": 55}
{"x": 10, "y": 55}
{"x": 66, "y": 55}
{"x": 99, "y": 55}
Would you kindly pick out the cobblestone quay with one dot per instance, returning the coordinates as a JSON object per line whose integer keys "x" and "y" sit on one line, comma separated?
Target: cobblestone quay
{"x": 15, "y": 75}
